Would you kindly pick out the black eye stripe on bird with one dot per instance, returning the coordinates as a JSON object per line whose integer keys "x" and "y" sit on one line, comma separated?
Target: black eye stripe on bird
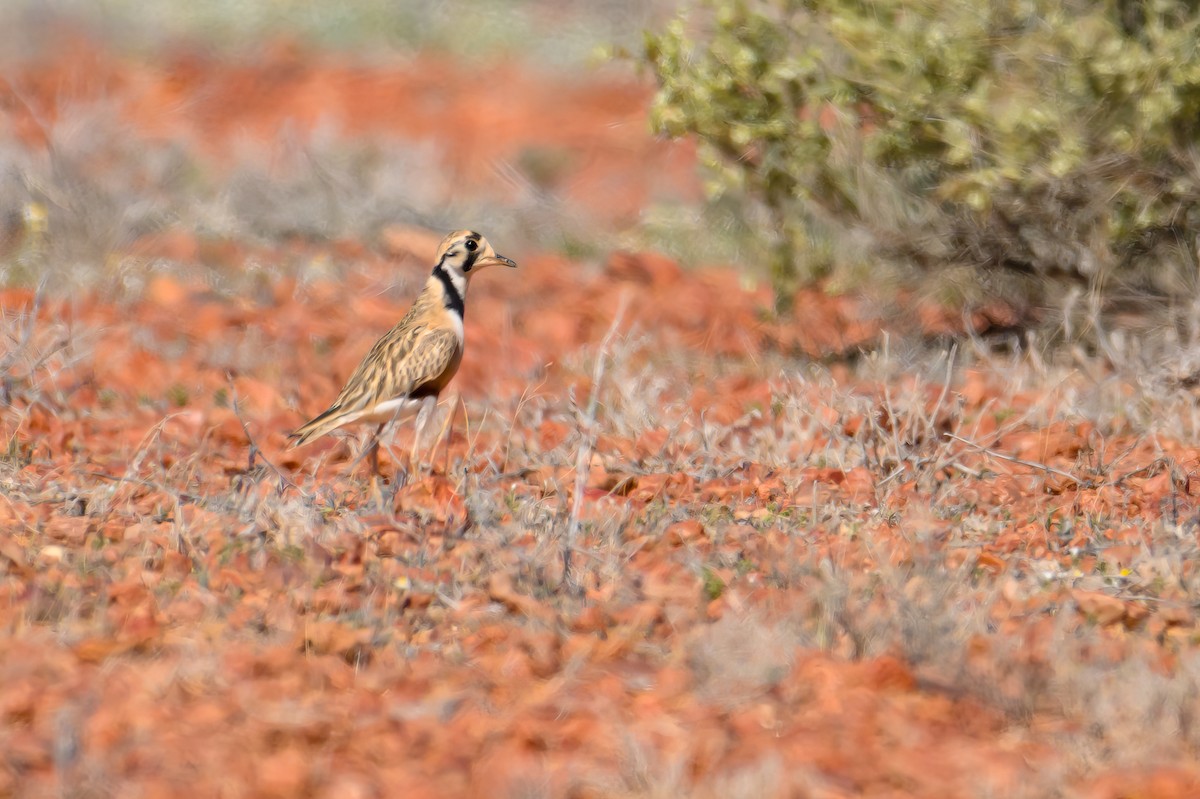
{"x": 410, "y": 365}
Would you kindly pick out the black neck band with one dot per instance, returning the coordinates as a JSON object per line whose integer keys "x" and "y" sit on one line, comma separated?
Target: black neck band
{"x": 454, "y": 300}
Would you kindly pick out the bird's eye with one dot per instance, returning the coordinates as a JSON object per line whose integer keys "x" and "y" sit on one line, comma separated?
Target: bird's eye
{"x": 472, "y": 245}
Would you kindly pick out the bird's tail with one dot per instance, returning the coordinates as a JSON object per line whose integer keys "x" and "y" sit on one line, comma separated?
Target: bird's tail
{"x": 317, "y": 427}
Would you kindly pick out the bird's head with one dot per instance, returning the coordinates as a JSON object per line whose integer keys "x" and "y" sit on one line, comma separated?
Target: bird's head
{"x": 465, "y": 252}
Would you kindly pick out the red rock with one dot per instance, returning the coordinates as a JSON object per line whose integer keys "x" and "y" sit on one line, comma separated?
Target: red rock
{"x": 283, "y": 774}
{"x": 1103, "y": 608}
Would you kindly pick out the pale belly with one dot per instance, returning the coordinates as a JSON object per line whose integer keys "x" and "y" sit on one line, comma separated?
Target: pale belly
{"x": 397, "y": 409}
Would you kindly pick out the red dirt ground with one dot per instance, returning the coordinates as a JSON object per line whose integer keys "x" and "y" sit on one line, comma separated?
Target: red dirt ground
{"x": 172, "y": 623}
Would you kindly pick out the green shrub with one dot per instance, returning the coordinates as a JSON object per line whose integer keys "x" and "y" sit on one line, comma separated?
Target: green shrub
{"x": 1023, "y": 143}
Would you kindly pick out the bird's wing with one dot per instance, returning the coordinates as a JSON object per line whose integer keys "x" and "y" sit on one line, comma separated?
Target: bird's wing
{"x": 431, "y": 353}
{"x": 401, "y": 362}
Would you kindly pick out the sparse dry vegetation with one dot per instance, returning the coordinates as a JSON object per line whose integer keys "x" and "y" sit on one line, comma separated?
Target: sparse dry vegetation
{"x": 1025, "y": 152}
{"x": 814, "y": 557}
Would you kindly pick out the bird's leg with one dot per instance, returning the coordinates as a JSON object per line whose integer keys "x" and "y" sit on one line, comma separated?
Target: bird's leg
{"x": 373, "y": 451}
{"x": 427, "y": 406}
{"x": 366, "y": 452}
{"x": 402, "y": 470}
{"x": 448, "y": 430}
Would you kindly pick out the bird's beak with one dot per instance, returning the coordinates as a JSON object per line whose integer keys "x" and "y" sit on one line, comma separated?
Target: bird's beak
{"x": 498, "y": 260}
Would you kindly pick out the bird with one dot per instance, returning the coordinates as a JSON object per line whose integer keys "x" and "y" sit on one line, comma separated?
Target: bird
{"x": 412, "y": 363}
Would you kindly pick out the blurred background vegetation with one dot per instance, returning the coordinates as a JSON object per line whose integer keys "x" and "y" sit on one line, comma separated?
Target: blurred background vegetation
{"x": 1039, "y": 151}
{"x": 563, "y": 34}
{"x": 70, "y": 210}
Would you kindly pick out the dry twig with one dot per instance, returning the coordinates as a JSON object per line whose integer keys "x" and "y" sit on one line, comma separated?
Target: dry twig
{"x": 587, "y": 444}
{"x": 1079, "y": 481}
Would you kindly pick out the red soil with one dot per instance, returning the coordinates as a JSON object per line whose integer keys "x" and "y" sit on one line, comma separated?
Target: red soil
{"x": 171, "y": 623}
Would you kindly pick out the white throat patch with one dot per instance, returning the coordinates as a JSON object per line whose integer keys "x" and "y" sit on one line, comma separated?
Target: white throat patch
{"x": 459, "y": 280}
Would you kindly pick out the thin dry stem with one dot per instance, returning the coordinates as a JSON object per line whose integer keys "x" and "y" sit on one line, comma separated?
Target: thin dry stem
{"x": 587, "y": 445}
